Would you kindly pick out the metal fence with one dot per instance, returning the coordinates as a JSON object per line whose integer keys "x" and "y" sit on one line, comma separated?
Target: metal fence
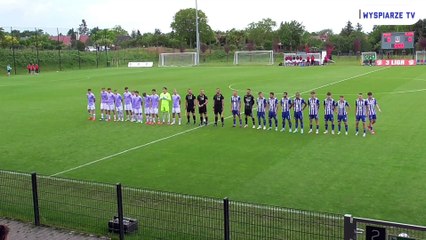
{"x": 87, "y": 206}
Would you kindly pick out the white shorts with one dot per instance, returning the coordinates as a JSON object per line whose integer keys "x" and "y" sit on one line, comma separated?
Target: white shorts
{"x": 154, "y": 110}
{"x": 119, "y": 108}
{"x": 176, "y": 110}
{"x": 147, "y": 111}
{"x": 128, "y": 107}
{"x": 104, "y": 106}
{"x": 137, "y": 110}
{"x": 111, "y": 106}
{"x": 91, "y": 107}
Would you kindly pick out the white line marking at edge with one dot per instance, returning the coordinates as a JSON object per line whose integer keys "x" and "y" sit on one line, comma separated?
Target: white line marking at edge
{"x": 190, "y": 130}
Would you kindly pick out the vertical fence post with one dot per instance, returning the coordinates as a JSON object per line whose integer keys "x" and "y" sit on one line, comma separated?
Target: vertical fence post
{"x": 226, "y": 226}
{"x": 35, "y": 199}
{"x": 120, "y": 210}
{"x": 349, "y": 228}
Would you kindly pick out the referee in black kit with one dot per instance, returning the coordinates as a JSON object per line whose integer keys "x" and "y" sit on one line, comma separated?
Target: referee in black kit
{"x": 202, "y": 101}
{"x": 218, "y": 107}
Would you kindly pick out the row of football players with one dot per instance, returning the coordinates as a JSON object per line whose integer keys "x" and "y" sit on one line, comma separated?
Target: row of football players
{"x": 364, "y": 108}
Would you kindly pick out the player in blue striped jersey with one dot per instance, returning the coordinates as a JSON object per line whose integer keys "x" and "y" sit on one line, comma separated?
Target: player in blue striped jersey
{"x": 360, "y": 113}
{"x": 236, "y": 108}
{"x": 372, "y": 105}
{"x": 342, "y": 114}
{"x": 314, "y": 105}
{"x": 272, "y": 109}
{"x": 261, "y": 108}
{"x": 329, "y": 109}
{"x": 286, "y": 105}
{"x": 299, "y": 105}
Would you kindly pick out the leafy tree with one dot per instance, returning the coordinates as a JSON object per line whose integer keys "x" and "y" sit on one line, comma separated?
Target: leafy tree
{"x": 185, "y": 28}
{"x": 358, "y": 27}
{"x": 261, "y": 31}
{"x": 227, "y": 49}
{"x": 203, "y": 48}
{"x": 83, "y": 29}
{"x": 9, "y": 41}
{"x": 347, "y": 30}
{"x": 422, "y": 44}
{"x": 290, "y": 34}
{"x": 236, "y": 38}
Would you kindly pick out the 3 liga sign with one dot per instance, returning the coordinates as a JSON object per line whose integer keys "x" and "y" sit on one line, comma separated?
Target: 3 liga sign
{"x": 396, "y": 62}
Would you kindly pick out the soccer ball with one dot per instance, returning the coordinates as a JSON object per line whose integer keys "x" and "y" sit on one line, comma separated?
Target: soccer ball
{"x": 403, "y": 235}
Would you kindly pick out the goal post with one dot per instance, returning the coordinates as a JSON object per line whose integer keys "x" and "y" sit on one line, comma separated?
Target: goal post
{"x": 421, "y": 57}
{"x": 254, "y": 58}
{"x": 183, "y": 59}
{"x": 368, "y": 58}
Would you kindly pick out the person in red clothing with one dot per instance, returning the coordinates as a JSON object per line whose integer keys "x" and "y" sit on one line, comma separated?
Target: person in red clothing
{"x": 29, "y": 68}
{"x": 312, "y": 60}
{"x": 308, "y": 61}
{"x": 32, "y": 68}
{"x": 36, "y": 68}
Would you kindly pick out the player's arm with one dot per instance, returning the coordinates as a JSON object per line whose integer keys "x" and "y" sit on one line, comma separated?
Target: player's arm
{"x": 378, "y": 107}
{"x": 304, "y": 106}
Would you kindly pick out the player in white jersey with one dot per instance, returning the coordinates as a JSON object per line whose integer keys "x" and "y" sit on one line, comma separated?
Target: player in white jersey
{"x": 110, "y": 104}
{"x": 272, "y": 109}
{"x": 176, "y": 101}
{"x": 299, "y": 105}
{"x": 372, "y": 105}
{"x": 104, "y": 105}
{"x": 236, "y": 108}
{"x": 261, "y": 107}
{"x": 360, "y": 113}
{"x": 286, "y": 105}
{"x": 127, "y": 95}
{"x": 342, "y": 114}
{"x": 329, "y": 109}
{"x": 314, "y": 105}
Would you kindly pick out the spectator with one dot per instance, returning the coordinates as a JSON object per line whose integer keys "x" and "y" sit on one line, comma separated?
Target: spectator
{"x": 4, "y": 231}
{"x": 29, "y": 68}
{"x": 37, "y": 68}
{"x": 32, "y": 68}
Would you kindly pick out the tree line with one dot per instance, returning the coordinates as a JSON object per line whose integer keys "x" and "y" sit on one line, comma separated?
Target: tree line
{"x": 265, "y": 34}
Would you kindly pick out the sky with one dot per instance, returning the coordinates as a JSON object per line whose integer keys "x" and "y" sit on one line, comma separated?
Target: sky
{"x": 222, "y": 15}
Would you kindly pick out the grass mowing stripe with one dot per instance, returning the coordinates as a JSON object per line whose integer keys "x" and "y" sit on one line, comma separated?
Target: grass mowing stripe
{"x": 190, "y": 130}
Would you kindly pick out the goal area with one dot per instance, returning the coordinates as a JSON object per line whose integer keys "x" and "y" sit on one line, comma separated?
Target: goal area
{"x": 183, "y": 59}
{"x": 421, "y": 57}
{"x": 368, "y": 58}
{"x": 254, "y": 57}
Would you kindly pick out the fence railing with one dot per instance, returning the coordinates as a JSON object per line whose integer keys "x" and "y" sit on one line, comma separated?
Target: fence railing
{"x": 87, "y": 206}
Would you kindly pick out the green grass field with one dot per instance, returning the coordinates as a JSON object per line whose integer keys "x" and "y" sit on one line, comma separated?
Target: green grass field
{"x": 44, "y": 128}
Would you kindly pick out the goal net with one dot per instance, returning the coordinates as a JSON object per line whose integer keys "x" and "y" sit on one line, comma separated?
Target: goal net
{"x": 254, "y": 58}
{"x": 421, "y": 57}
{"x": 368, "y": 58}
{"x": 184, "y": 59}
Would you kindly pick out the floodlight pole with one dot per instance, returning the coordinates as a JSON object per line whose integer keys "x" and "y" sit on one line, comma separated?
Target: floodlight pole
{"x": 197, "y": 60}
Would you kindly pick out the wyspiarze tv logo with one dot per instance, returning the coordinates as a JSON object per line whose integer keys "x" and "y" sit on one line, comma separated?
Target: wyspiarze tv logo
{"x": 390, "y": 15}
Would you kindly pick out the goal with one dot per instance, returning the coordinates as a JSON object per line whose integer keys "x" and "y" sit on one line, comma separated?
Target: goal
{"x": 254, "y": 58}
{"x": 368, "y": 58}
{"x": 184, "y": 59}
{"x": 421, "y": 57}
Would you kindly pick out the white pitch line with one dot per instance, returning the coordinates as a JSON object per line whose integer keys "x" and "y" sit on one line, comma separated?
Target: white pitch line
{"x": 186, "y": 131}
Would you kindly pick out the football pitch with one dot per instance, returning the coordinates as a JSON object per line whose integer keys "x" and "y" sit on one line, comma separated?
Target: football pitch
{"x": 44, "y": 129}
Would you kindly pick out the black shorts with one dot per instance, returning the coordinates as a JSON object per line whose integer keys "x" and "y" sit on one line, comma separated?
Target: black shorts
{"x": 202, "y": 110}
{"x": 248, "y": 112}
{"x": 190, "y": 110}
{"x": 218, "y": 111}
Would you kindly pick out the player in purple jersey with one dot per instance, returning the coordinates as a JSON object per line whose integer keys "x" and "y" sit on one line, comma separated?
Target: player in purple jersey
{"x": 137, "y": 107}
{"x": 127, "y": 95}
{"x": 261, "y": 108}
{"x": 176, "y": 102}
{"x": 272, "y": 109}
{"x": 104, "y": 106}
{"x": 286, "y": 105}
{"x": 236, "y": 108}
{"x": 119, "y": 115}
{"x": 91, "y": 101}
{"x": 110, "y": 104}
{"x": 372, "y": 105}
{"x": 299, "y": 105}
{"x": 329, "y": 109}
{"x": 147, "y": 108}
{"x": 314, "y": 105}
{"x": 155, "y": 101}
{"x": 360, "y": 113}
{"x": 342, "y": 114}
{"x": 134, "y": 117}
